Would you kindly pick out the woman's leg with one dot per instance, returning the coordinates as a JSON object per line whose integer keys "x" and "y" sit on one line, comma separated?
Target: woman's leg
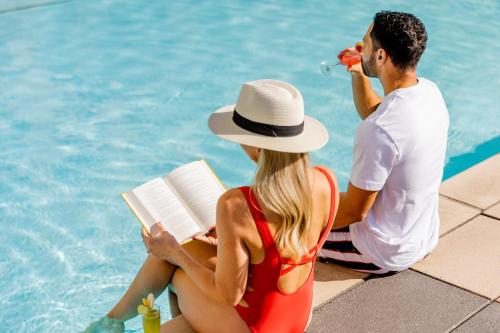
{"x": 201, "y": 312}
{"x": 155, "y": 275}
{"x": 173, "y": 303}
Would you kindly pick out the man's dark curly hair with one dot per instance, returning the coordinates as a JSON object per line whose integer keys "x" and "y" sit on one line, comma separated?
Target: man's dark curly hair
{"x": 401, "y": 35}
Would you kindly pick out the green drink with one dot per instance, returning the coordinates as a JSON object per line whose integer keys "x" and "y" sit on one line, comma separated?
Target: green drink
{"x": 151, "y": 320}
{"x": 150, "y": 314}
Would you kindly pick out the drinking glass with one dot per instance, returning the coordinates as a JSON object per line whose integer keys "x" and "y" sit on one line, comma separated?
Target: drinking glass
{"x": 347, "y": 57}
{"x": 151, "y": 320}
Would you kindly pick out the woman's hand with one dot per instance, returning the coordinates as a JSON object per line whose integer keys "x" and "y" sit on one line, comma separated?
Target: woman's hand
{"x": 210, "y": 238}
{"x": 162, "y": 244}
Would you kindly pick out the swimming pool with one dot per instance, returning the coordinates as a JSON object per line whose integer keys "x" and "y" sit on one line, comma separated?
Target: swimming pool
{"x": 99, "y": 96}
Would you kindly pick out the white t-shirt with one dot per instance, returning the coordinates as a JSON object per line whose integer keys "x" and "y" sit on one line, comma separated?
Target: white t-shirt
{"x": 399, "y": 150}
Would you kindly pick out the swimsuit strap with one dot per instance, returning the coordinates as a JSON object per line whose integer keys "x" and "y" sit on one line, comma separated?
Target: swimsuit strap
{"x": 260, "y": 222}
{"x": 305, "y": 258}
{"x": 332, "y": 208}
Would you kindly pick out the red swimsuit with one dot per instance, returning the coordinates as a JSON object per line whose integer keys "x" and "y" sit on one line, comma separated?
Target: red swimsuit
{"x": 271, "y": 310}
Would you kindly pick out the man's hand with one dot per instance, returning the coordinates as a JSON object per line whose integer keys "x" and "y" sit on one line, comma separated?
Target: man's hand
{"x": 348, "y": 56}
{"x": 356, "y": 70}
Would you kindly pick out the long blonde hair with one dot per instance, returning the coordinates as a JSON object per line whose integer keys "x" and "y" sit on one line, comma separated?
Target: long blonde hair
{"x": 283, "y": 187}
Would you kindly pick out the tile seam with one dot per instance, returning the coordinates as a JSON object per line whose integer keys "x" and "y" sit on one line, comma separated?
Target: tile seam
{"x": 490, "y": 299}
{"x": 491, "y": 216}
{"x": 328, "y": 301}
{"x": 469, "y": 316}
{"x": 481, "y": 212}
{"x": 462, "y": 202}
{"x": 491, "y": 206}
{"x": 460, "y": 225}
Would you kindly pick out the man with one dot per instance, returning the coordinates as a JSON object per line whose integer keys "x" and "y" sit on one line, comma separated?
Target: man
{"x": 388, "y": 218}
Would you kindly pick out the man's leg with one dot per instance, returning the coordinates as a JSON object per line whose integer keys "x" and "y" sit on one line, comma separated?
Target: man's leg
{"x": 340, "y": 250}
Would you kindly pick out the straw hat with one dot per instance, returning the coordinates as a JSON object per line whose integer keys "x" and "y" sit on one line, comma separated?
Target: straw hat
{"x": 269, "y": 114}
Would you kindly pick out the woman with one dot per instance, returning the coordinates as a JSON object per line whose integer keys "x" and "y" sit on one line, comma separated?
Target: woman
{"x": 259, "y": 276}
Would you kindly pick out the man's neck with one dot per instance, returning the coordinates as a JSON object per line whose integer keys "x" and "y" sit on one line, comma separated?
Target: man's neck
{"x": 395, "y": 79}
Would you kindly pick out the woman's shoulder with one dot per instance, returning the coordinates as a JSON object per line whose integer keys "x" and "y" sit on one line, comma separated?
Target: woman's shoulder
{"x": 233, "y": 196}
{"x": 327, "y": 192}
{"x": 325, "y": 188}
{"x": 330, "y": 173}
{"x": 232, "y": 203}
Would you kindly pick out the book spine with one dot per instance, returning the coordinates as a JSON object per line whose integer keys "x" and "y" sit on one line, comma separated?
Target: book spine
{"x": 144, "y": 225}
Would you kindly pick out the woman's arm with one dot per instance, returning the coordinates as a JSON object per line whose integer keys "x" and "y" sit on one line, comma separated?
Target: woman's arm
{"x": 227, "y": 284}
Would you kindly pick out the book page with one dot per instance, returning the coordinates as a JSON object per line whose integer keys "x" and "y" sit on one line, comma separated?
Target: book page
{"x": 200, "y": 189}
{"x": 138, "y": 209}
{"x": 160, "y": 201}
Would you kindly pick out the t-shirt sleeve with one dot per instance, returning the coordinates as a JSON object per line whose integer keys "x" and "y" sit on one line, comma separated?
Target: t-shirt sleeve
{"x": 374, "y": 155}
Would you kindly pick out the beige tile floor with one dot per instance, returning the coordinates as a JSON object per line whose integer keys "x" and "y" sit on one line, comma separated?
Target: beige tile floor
{"x": 332, "y": 280}
{"x": 454, "y": 213}
{"x": 478, "y": 186}
{"x": 468, "y": 257}
{"x": 493, "y": 211}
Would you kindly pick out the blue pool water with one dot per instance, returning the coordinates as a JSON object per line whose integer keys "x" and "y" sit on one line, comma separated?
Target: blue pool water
{"x": 96, "y": 97}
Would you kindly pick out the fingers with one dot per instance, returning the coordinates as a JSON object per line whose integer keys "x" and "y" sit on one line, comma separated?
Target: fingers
{"x": 201, "y": 238}
{"x": 355, "y": 69}
{"x": 157, "y": 229}
{"x": 146, "y": 239}
{"x": 205, "y": 239}
{"x": 158, "y": 226}
{"x": 212, "y": 233}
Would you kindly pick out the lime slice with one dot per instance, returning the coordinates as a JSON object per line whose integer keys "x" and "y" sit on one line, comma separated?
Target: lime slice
{"x": 359, "y": 46}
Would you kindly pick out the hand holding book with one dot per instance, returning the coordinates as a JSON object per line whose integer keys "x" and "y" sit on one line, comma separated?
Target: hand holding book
{"x": 184, "y": 201}
{"x": 161, "y": 243}
{"x": 210, "y": 238}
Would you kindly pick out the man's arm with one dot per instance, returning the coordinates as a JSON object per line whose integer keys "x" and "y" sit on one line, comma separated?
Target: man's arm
{"x": 365, "y": 98}
{"x": 353, "y": 206}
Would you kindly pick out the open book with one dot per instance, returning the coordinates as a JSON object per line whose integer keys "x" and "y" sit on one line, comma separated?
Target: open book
{"x": 184, "y": 201}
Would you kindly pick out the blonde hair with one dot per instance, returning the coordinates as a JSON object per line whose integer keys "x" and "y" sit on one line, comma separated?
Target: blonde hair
{"x": 283, "y": 187}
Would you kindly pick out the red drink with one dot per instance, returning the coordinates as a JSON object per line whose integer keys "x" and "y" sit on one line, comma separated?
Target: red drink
{"x": 348, "y": 58}
{"x": 351, "y": 57}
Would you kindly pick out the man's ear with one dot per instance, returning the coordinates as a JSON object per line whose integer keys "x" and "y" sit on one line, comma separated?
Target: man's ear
{"x": 381, "y": 56}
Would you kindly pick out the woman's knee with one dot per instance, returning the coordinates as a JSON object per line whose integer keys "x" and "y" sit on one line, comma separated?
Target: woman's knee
{"x": 181, "y": 284}
{"x": 158, "y": 266}
{"x": 179, "y": 278}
